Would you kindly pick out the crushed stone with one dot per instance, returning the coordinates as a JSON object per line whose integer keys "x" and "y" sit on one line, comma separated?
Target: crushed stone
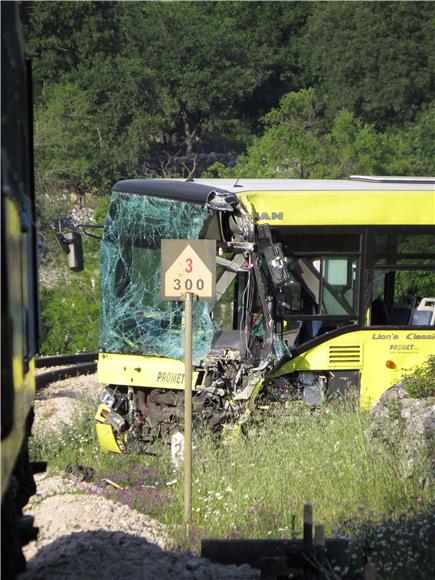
{"x": 56, "y": 405}
{"x": 87, "y": 537}
{"x": 90, "y": 537}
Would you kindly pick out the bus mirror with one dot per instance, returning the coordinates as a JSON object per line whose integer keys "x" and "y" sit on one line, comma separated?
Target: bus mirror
{"x": 75, "y": 251}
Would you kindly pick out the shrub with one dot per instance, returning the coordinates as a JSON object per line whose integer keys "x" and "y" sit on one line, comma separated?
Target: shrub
{"x": 70, "y": 314}
{"x": 421, "y": 381}
{"x": 70, "y": 308}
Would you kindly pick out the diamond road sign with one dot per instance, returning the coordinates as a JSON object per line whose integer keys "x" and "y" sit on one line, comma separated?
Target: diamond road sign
{"x": 188, "y": 266}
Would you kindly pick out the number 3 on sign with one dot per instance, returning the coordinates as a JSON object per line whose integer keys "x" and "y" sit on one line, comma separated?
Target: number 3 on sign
{"x": 189, "y": 265}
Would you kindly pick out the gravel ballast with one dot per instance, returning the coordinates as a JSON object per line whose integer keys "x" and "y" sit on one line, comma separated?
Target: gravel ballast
{"x": 86, "y": 536}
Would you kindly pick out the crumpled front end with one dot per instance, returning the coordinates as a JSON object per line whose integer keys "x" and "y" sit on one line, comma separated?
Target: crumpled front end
{"x": 142, "y": 337}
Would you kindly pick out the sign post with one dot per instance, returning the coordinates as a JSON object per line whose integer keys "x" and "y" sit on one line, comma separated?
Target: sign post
{"x": 188, "y": 272}
{"x": 188, "y": 303}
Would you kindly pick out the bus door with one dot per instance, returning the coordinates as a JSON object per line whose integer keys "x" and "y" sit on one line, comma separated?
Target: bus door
{"x": 323, "y": 292}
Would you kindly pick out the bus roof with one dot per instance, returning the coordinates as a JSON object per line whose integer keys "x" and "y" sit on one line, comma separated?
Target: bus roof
{"x": 306, "y": 202}
{"x": 354, "y": 184}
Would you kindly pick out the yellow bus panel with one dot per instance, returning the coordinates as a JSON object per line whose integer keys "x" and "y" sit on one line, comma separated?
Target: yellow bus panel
{"x": 381, "y": 356}
{"x": 142, "y": 371}
{"x": 308, "y": 207}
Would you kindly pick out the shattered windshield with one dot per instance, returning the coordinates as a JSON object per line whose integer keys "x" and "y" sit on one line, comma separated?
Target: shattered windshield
{"x": 133, "y": 318}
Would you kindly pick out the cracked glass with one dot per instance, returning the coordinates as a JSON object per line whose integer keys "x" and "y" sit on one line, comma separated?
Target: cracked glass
{"x": 133, "y": 318}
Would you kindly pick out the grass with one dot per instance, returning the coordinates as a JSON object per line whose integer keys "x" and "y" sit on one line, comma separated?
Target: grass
{"x": 255, "y": 486}
{"x": 77, "y": 443}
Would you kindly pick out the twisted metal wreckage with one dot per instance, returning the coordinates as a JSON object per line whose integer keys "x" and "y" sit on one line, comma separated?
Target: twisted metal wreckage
{"x": 230, "y": 365}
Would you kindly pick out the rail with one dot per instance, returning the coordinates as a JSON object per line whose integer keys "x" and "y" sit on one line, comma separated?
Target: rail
{"x": 78, "y": 364}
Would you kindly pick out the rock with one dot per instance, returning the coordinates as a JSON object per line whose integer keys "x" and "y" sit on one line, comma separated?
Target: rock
{"x": 83, "y": 535}
{"x": 408, "y": 423}
{"x": 193, "y": 563}
{"x": 244, "y": 568}
{"x": 202, "y": 573}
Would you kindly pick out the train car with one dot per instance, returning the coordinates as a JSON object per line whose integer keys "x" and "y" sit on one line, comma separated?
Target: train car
{"x": 19, "y": 307}
{"x": 322, "y": 286}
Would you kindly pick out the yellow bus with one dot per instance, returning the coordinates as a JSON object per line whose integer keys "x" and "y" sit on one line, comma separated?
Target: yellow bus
{"x": 322, "y": 286}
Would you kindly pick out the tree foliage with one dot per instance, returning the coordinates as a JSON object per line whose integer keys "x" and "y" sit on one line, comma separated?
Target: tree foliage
{"x": 299, "y": 89}
{"x": 375, "y": 59}
{"x": 299, "y": 142}
{"x": 339, "y": 87}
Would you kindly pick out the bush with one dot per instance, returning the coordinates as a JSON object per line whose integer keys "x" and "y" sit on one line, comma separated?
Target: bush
{"x": 70, "y": 315}
{"x": 420, "y": 382}
{"x": 70, "y": 308}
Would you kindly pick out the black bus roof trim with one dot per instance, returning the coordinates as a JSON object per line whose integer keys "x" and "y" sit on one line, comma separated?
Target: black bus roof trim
{"x": 169, "y": 189}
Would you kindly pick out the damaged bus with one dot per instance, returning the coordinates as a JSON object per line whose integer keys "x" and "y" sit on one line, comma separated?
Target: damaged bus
{"x": 322, "y": 287}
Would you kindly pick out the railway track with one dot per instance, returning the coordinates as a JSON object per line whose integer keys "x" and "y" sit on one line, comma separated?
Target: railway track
{"x": 70, "y": 365}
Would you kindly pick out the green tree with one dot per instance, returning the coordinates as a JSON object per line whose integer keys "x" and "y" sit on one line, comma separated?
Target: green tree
{"x": 421, "y": 140}
{"x": 375, "y": 59}
{"x": 65, "y": 140}
{"x": 62, "y": 36}
{"x": 147, "y": 80}
{"x": 299, "y": 143}
{"x": 164, "y": 77}
{"x": 353, "y": 147}
{"x": 210, "y": 63}
{"x": 291, "y": 146}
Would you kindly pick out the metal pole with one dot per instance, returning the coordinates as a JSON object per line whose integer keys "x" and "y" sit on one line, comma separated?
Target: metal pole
{"x": 308, "y": 525}
{"x": 188, "y": 407}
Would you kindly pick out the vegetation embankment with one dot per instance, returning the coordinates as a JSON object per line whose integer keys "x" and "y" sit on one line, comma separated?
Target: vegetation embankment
{"x": 288, "y": 90}
{"x": 256, "y": 486}
{"x": 70, "y": 301}
{"x": 137, "y": 89}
